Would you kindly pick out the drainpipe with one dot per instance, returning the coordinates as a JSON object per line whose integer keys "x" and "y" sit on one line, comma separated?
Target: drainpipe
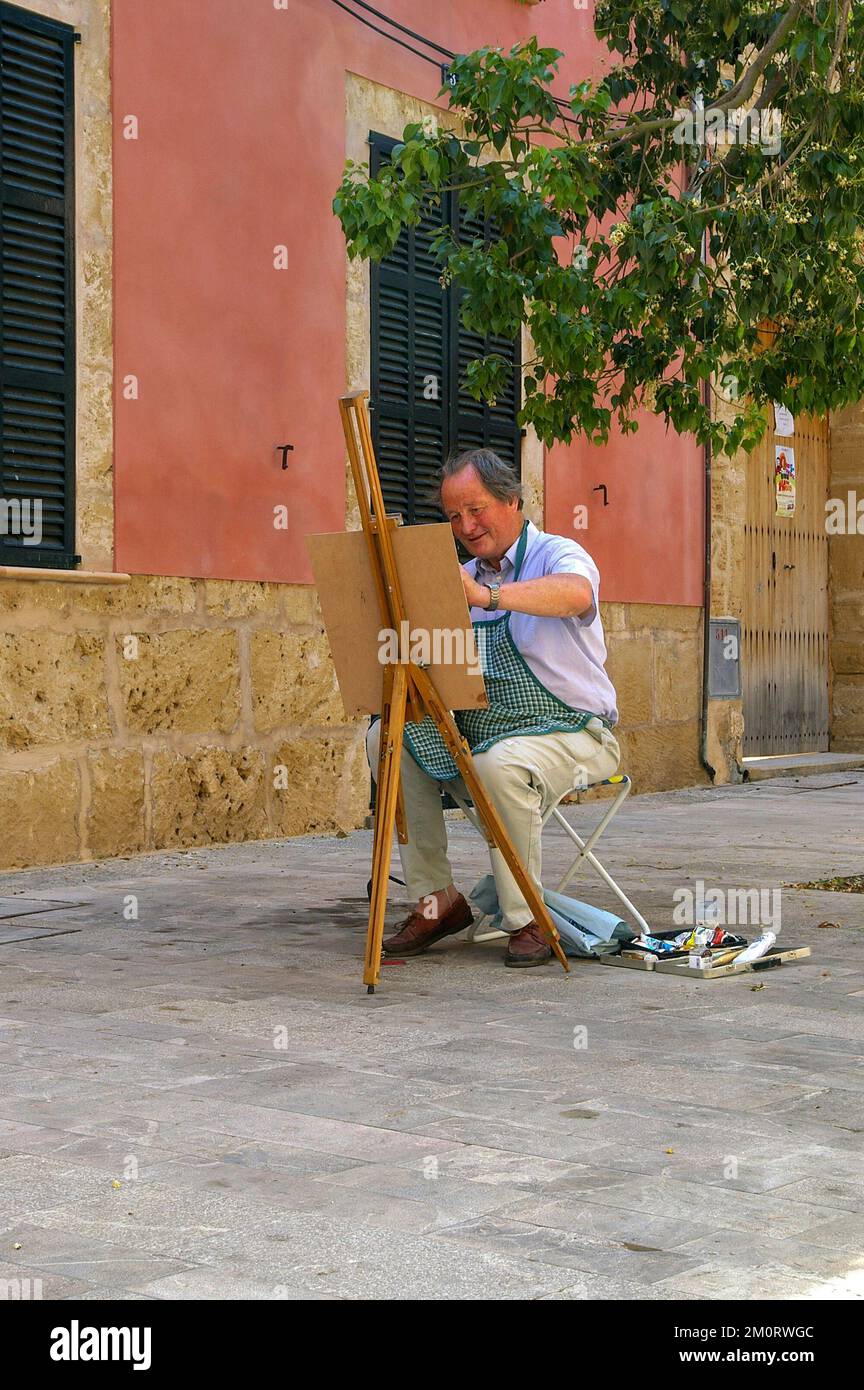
{"x": 697, "y": 103}
{"x": 706, "y": 601}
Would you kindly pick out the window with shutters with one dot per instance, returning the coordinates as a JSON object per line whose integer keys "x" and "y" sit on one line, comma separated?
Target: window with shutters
{"x": 421, "y": 409}
{"x": 37, "y": 310}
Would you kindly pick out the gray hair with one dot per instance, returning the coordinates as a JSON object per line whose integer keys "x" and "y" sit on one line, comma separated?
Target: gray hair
{"x": 498, "y": 477}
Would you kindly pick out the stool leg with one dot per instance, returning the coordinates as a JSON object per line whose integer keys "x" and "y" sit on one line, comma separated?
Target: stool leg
{"x": 586, "y": 852}
{"x": 607, "y": 879}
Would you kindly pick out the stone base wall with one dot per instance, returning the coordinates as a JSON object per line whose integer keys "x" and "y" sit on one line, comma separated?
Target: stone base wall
{"x": 655, "y": 664}
{"x": 846, "y": 584}
{"x": 725, "y": 731}
{"x": 168, "y": 713}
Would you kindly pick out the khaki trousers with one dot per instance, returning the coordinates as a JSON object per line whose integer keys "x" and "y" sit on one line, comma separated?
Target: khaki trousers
{"x": 523, "y": 778}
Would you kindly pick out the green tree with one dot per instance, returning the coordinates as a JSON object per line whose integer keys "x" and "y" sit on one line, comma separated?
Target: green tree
{"x": 650, "y": 243}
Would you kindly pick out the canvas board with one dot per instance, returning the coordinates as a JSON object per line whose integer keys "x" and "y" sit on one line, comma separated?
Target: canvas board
{"x": 435, "y": 604}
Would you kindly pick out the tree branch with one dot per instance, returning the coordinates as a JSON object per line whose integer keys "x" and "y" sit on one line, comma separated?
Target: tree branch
{"x": 745, "y": 86}
{"x": 842, "y": 25}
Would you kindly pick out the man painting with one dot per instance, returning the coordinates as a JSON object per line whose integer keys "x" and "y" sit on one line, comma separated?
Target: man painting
{"x": 548, "y": 729}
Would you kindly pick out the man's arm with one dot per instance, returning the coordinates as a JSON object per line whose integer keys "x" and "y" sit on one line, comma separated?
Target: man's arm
{"x": 554, "y": 596}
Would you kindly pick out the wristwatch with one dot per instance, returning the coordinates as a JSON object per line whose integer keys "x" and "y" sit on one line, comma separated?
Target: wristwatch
{"x": 494, "y": 591}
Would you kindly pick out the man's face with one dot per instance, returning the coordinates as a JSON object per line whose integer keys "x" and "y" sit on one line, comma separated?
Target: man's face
{"x": 485, "y": 525}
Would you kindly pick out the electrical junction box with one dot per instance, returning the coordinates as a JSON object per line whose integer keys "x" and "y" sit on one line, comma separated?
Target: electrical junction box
{"x": 724, "y": 659}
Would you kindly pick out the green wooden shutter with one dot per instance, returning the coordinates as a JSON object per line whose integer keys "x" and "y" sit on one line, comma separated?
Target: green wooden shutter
{"x": 37, "y": 286}
{"x": 473, "y": 423}
{"x": 417, "y": 341}
{"x": 410, "y": 316}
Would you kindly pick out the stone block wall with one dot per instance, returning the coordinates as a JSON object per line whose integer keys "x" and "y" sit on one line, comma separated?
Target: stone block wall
{"x": 725, "y": 731}
{"x": 655, "y": 664}
{"x": 846, "y": 584}
{"x": 168, "y": 713}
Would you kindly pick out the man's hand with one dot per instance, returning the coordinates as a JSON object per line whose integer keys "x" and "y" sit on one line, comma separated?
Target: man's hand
{"x": 553, "y": 596}
{"x": 476, "y": 594}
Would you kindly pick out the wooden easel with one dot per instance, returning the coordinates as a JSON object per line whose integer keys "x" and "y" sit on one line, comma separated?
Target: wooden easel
{"x": 409, "y": 694}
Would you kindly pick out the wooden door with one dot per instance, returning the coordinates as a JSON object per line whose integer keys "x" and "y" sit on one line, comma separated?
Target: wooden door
{"x": 784, "y": 629}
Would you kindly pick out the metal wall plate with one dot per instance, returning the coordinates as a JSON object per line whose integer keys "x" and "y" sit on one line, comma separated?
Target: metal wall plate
{"x": 724, "y": 659}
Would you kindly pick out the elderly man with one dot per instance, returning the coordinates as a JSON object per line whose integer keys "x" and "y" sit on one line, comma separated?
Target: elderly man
{"x": 548, "y": 729}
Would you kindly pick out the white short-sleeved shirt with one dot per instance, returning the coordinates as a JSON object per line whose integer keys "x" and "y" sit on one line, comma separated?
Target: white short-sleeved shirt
{"x": 567, "y": 655}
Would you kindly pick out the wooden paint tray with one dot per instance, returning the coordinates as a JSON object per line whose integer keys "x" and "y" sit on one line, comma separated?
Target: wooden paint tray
{"x": 770, "y": 961}
{"x": 678, "y": 964}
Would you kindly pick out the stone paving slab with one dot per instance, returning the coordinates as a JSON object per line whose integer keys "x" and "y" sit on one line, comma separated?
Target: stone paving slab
{"x": 203, "y": 1102}
{"x": 62, "y": 1255}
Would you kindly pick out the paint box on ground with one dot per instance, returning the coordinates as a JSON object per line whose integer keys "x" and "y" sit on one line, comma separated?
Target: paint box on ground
{"x": 770, "y": 961}
{"x": 677, "y": 963}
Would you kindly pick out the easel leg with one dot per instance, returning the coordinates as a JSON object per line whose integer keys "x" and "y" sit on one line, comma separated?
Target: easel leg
{"x": 486, "y": 811}
{"x": 389, "y": 759}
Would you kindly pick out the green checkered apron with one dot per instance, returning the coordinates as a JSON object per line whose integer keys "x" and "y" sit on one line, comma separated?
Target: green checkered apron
{"x": 519, "y": 705}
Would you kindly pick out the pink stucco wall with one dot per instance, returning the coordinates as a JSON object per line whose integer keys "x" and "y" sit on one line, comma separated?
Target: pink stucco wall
{"x": 240, "y": 111}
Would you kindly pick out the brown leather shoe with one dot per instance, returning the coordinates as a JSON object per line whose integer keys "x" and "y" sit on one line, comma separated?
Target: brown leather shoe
{"x": 527, "y": 947}
{"x": 417, "y": 933}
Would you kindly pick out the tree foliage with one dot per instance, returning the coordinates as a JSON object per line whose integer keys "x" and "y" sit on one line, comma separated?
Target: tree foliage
{"x": 647, "y": 253}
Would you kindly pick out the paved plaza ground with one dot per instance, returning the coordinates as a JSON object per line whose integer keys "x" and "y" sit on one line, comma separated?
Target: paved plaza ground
{"x": 203, "y": 1101}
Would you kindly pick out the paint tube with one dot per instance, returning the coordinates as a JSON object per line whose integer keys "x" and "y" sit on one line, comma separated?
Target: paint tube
{"x": 653, "y": 944}
{"x": 760, "y": 947}
{"x": 697, "y": 937}
{"x": 706, "y": 959}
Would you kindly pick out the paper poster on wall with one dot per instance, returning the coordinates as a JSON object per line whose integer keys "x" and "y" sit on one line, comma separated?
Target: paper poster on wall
{"x": 784, "y": 420}
{"x": 784, "y": 479}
